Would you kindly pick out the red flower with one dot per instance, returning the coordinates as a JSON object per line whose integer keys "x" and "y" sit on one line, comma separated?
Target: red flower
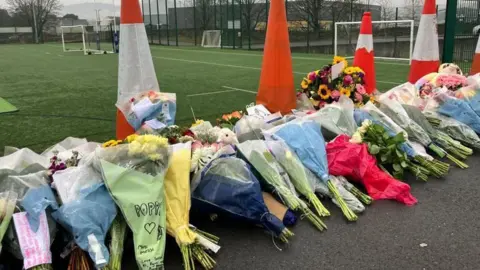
{"x": 188, "y": 132}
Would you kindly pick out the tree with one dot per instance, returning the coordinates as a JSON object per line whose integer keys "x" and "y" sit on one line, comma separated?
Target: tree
{"x": 252, "y": 12}
{"x": 412, "y": 7}
{"x": 205, "y": 13}
{"x": 310, "y": 11}
{"x": 387, "y": 12}
{"x": 32, "y": 11}
{"x": 70, "y": 16}
{"x": 5, "y": 19}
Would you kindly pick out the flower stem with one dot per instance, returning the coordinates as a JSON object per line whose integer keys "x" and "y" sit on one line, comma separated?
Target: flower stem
{"x": 459, "y": 163}
{"x": 364, "y": 198}
{"x": 347, "y": 212}
{"x": 319, "y": 207}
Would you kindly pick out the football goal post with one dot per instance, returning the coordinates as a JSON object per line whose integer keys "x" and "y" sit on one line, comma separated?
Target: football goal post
{"x": 392, "y": 40}
{"x": 85, "y": 39}
{"x": 212, "y": 39}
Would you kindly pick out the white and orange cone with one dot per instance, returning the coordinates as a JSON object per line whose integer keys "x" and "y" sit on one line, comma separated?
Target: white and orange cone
{"x": 136, "y": 73}
{"x": 426, "y": 56}
{"x": 476, "y": 60}
{"x": 364, "y": 55}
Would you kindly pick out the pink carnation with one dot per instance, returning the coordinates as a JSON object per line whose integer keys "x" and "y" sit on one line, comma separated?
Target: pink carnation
{"x": 361, "y": 89}
{"x": 312, "y": 76}
{"x": 335, "y": 94}
{"x": 347, "y": 80}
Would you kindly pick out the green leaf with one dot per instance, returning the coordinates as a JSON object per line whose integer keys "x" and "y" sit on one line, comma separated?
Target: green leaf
{"x": 399, "y": 138}
{"x": 384, "y": 158}
{"x": 386, "y": 136}
{"x": 374, "y": 149}
{"x": 404, "y": 164}
{"x": 399, "y": 153}
{"x": 397, "y": 167}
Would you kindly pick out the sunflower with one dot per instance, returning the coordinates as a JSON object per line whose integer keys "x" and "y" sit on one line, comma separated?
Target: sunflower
{"x": 345, "y": 91}
{"x": 304, "y": 84}
{"x": 324, "y": 92}
{"x": 338, "y": 59}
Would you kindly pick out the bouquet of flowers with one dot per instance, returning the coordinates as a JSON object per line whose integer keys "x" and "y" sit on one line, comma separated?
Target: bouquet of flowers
{"x": 387, "y": 149}
{"x": 134, "y": 174}
{"x": 397, "y": 113}
{"x": 355, "y": 162}
{"x": 192, "y": 243}
{"x": 451, "y": 145}
{"x": 454, "y": 128}
{"x": 272, "y": 177}
{"x": 437, "y": 168}
{"x": 295, "y": 169}
{"x": 152, "y": 108}
{"x": 229, "y": 120}
{"x": 227, "y": 185}
{"x": 305, "y": 138}
{"x": 322, "y": 89}
{"x": 176, "y": 134}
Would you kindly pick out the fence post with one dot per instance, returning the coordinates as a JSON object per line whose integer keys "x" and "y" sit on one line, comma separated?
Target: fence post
{"x": 176, "y": 21}
{"x": 241, "y": 24}
{"x": 449, "y": 36}
{"x": 159, "y": 25}
{"x": 194, "y": 21}
{"x": 233, "y": 24}
{"x": 150, "y": 15}
{"x": 308, "y": 33}
{"x": 395, "y": 34}
{"x": 168, "y": 22}
{"x": 221, "y": 25}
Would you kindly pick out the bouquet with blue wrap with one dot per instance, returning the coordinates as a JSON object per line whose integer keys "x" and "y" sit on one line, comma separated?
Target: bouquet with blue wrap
{"x": 458, "y": 109}
{"x": 89, "y": 218}
{"x": 305, "y": 138}
{"x": 227, "y": 185}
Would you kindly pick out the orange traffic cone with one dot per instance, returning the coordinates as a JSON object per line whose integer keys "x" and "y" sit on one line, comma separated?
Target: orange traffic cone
{"x": 136, "y": 73}
{"x": 364, "y": 56}
{"x": 426, "y": 56}
{"x": 276, "y": 90}
{"x": 476, "y": 60}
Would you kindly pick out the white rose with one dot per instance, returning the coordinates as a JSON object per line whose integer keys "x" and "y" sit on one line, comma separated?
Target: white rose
{"x": 356, "y": 138}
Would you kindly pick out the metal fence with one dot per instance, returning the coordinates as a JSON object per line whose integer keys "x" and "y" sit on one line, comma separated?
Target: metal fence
{"x": 311, "y": 24}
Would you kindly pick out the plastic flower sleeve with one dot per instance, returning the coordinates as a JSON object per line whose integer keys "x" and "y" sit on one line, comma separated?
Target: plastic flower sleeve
{"x": 249, "y": 128}
{"x": 306, "y": 140}
{"x": 35, "y": 202}
{"x": 354, "y": 161}
{"x": 459, "y": 110}
{"x": 70, "y": 181}
{"x": 352, "y": 202}
{"x": 228, "y": 185}
{"x": 177, "y": 200}
{"x": 298, "y": 177}
{"x": 21, "y": 159}
{"x": 376, "y": 113}
{"x": 7, "y": 206}
{"x": 88, "y": 219}
{"x": 136, "y": 183}
{"x": 454, "y": 128}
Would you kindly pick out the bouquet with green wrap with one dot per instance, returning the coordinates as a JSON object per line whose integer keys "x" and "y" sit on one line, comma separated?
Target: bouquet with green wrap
{"x": 134, "y": 175}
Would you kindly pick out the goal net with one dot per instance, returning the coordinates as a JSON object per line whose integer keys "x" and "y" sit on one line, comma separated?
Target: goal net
{"x": 86, "y": 39}
{"x": 392, "y": 40}
{"x": 212, "y": 39}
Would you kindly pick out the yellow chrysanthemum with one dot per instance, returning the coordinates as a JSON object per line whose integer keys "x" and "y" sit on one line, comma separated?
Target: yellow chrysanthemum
{"x": 131, "y": 138}
{"x": 324, "y": 92}
{"x": 198, "y": 122}
{"x": 338, "y": 59}
{"x": 345, "y": 91}
{"x": 372, "y": 99}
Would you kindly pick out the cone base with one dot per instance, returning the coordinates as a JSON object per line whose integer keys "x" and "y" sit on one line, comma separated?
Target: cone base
{"x": 475, "y": 64}
{"x": 123, "y": 127}
{"x": 420, "y": 68}
{"x": 366, "y": 61}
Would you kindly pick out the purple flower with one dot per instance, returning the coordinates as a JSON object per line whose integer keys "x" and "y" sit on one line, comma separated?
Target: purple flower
{"x": 347, "y": 80}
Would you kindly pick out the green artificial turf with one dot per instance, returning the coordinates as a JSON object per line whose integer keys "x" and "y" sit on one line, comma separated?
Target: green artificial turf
{"x": 69, "y": 94}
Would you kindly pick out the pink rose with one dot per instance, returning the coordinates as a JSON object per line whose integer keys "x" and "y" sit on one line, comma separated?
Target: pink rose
{"x": 312, "y": 76}
{"x": 358, "y": 97}
{"x": 347, "y": 80}
{"x": 361, "y": 89}
{"x": 335, "y": 94}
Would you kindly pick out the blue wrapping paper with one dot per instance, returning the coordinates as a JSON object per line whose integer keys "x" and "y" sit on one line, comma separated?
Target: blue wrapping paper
{"x": 306, "y": 140}
{"x": 227, "y": 184}
{"x": 89, "y": 219}
{"x": 36, "y": 200}
{"x": 460, "y": 110}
